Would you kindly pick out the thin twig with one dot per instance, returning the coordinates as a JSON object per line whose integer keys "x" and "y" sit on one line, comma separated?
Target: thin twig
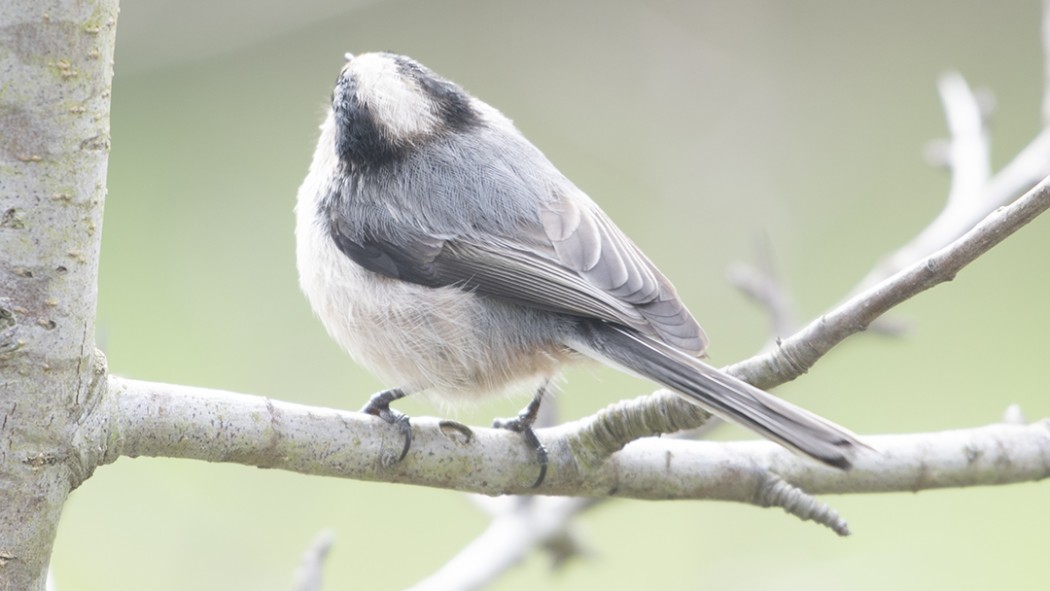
{"x": 505, "y": 542}
{"x": 308, "y": 577}
{"x": 762, "y": 284}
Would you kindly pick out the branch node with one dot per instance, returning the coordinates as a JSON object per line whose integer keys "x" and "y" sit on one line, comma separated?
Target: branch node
{"x": 456, "y": 432}
{"x": 618, "y": 424}
{"x": 777, "y": 492}
{"x": 1014, "y": 416}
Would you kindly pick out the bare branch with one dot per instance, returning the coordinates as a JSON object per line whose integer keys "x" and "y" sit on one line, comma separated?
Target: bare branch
{"x": 968, "y": 151}
{"x": 973, "y": 193}
{"x": 797, "y": 354}
{"x": 215, "y": 425}
{"x": 967, "y": 156}
{"x": 995, "y": 454}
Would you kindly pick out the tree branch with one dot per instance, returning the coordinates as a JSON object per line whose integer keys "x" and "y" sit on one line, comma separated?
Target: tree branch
{"x": 214, "y": 425}
{"x": 973, "y": 194}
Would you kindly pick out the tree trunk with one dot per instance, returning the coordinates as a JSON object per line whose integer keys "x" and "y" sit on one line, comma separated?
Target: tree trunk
{"x": 56, "y": 66}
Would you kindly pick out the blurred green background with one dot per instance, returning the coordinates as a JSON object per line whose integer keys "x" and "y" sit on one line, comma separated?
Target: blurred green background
{"x": 704, "y": 128}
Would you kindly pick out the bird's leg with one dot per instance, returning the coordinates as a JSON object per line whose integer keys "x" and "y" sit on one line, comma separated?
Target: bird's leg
{"x": 523, "y": 424}
{"x": 379, "y": 405}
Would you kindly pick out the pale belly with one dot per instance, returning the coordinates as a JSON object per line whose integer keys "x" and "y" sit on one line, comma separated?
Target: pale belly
{"x": 441, "y": 341}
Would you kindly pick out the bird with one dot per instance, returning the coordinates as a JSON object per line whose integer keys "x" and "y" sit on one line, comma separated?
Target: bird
{"x": 447, "y": 254}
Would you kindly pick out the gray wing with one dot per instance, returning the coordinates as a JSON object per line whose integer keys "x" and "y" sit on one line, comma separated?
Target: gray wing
{"x": 587, "y": 244}
{"x": 571, "y": 259}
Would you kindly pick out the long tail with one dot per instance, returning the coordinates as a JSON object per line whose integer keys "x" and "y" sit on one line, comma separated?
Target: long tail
{"x": 721, "y": 393}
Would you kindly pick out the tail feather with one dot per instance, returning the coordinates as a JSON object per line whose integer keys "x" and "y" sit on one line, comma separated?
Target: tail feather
{"x": 721, "y": 393}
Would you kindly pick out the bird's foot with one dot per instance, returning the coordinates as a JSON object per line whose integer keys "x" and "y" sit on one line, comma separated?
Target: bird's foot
{"x": 379, "y": 406}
